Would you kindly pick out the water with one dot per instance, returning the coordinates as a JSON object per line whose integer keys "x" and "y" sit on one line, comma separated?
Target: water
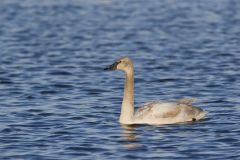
{"x": 56, "y": 102}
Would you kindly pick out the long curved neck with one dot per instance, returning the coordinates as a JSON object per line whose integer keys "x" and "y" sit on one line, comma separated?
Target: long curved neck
{"x": 127, "y": 110}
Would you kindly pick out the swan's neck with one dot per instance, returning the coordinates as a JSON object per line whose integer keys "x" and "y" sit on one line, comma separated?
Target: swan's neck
{"x": 127, "y": 110}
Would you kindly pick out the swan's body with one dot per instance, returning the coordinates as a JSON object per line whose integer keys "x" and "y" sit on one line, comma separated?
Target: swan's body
{"x": 159, "y": 112}
{"x": 167, "y": 113}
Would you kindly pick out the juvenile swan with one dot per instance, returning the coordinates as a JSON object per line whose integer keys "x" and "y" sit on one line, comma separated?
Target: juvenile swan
{"x": 159, "y": 112}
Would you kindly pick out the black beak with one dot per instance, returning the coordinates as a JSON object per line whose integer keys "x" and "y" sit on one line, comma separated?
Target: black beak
{"x": 112, "y": 67}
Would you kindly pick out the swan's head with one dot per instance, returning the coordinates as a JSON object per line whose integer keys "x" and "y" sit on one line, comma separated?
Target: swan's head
{"x": 124, "y": 64}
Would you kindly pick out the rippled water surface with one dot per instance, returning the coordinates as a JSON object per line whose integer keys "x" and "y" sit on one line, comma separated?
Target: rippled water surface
{"x": 56, "y": 101}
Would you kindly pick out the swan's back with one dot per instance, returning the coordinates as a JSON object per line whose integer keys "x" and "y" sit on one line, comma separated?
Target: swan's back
{"x": 161, "y": 112}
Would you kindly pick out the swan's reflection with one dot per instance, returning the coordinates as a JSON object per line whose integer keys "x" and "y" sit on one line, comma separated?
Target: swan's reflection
{"x": 129, "y": 136}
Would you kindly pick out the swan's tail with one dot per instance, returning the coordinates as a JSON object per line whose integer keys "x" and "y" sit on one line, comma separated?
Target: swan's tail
{"x": 201, "y": 115}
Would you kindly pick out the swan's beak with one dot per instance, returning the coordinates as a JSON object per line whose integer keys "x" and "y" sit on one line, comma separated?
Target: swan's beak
{"x": 112, "y": 67}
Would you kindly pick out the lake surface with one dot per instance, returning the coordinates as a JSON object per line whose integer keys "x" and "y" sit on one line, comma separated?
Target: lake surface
{"x": 56, "y": 102}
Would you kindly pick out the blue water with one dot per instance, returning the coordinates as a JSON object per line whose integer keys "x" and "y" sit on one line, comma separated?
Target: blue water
{"x": 56, "y": 102}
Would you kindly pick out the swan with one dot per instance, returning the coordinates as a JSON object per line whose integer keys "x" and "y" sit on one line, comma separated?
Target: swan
{"x": 156, "y": 112}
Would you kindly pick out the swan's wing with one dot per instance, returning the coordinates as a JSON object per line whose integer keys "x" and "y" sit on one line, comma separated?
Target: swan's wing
{"x": 169, "y": 110}
{"x": 166, "y": 110}
{"x": 158, "y": 109}
{"x": 187, "y": 101}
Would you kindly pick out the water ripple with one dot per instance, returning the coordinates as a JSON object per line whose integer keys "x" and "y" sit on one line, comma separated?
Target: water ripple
{"x": 57, "y": 102}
